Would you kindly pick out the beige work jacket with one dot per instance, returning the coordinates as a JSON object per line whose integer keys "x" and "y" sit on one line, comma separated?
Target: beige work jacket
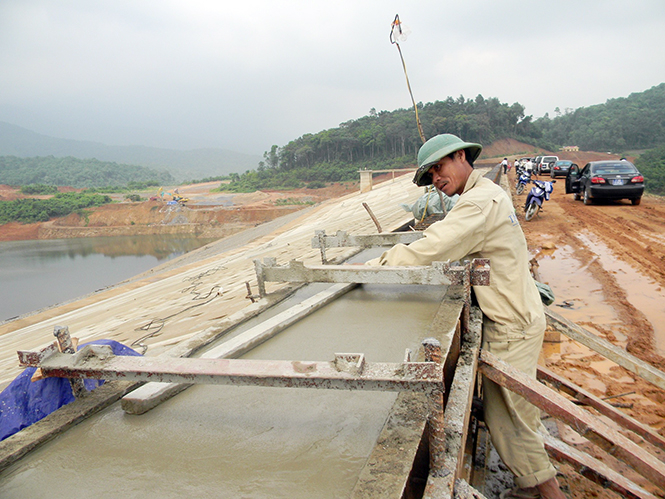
{"x": 483, "y": 224}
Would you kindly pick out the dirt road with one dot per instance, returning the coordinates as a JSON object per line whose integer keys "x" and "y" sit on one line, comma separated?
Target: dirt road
{"x": 606, "y": 265}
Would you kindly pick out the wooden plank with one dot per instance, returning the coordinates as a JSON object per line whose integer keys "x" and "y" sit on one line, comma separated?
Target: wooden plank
{"x": 458, "y": 412}
{"x": 98, "y": 362}
{"x": 601, "y": 406}
{"x": 460, "y": 400}
{"x": 152, "y": 394}
{"x": 594, "y": 470}
{"x": 605, "y": 348}
{"x": 398, "y": 462}
{"x": 580, "y": 420}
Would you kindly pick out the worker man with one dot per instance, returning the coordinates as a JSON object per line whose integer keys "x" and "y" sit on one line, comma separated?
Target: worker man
{"x": 529, "y": 166}
{"x": 504, "y": 164}
{"x": 482, "y": 224}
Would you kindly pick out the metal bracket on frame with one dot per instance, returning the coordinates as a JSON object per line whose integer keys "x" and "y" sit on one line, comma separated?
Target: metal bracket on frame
{"x": 342, "y": 240}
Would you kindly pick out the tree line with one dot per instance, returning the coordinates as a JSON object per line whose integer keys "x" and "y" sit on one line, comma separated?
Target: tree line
{"x": 41, "y": 210}
{"x": 651, "y": 165}
{"x": 380, "y": 140}
{"x": 389, "y": 139}
{"x": 75, "y": 172}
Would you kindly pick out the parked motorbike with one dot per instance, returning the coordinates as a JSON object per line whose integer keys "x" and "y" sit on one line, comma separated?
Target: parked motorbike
{"x": 523, "y": 179}
{"x": 539, "y": 193}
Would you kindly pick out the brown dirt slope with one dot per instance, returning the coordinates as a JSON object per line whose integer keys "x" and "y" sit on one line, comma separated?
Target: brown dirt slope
{"x": 206, "y": 214}
{"x": 513, "y": 149}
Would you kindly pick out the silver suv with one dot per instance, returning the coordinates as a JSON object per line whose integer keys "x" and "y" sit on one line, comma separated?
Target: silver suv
{"x": 544, "y": 165}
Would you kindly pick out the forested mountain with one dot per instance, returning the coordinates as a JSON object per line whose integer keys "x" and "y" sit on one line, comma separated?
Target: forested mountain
{"x": 389, "y": 139}
{"x": 626, "y": 123}
{"x": 381, "y": 140}
{"x": 393, "y": 134}
{"x": 197, "y": 163}
{"x": 384, "y": 139}
{"x": 75, "y": 172}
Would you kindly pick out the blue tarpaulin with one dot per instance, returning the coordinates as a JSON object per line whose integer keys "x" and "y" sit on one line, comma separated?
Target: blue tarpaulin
{"x": 23, "y": 402}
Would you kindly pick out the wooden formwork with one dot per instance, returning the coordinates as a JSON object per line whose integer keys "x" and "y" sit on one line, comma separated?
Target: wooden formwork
{"x": 426, "y": 447}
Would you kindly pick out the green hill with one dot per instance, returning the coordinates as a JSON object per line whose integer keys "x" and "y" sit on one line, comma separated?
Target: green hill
{"x": 75, "y": 172}
{"x": 636, "y": 122}
{"x": 183, "y": 165}
{"x": 389, "y": 139}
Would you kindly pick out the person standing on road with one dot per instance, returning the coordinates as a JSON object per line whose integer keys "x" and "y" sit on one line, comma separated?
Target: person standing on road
{"x": 529, "y": 167}
{"x": 504, "y": 163}
{"x": 482, "y": 224}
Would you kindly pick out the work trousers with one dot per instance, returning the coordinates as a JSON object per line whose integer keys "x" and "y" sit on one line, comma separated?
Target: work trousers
{"x": 512, "y": 421}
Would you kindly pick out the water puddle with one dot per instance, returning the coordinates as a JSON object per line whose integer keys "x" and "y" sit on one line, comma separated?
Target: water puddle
{"x": 579, "y": 297}
{"x": 643, "y": 293}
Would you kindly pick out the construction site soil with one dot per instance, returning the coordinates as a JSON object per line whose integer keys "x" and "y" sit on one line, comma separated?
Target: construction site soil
{"x": 605, "y": 263}
{"x": 205, "y": 214}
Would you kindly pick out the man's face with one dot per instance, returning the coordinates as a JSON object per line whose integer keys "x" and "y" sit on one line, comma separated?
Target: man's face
{"x": 450, "y": 175}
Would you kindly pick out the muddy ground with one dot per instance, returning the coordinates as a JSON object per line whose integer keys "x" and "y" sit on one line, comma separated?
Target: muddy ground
{"x": 606, "y": 265}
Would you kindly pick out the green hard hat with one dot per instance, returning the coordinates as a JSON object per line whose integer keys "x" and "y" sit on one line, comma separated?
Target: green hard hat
{"x": 439, "y": 147}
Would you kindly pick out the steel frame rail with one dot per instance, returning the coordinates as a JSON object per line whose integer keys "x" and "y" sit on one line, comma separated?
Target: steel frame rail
{"x": 475, "y": 273}
{"x": 345, "y": 372}
{"x": 342, "y": 239}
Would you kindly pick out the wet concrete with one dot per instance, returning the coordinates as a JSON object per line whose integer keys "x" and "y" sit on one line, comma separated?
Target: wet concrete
{"x": 217, "y": 441}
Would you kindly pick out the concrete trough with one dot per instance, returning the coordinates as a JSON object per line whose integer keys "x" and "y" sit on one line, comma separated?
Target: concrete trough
{"x": 228, "y": 441}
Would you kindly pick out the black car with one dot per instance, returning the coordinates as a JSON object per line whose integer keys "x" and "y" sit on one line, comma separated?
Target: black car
{"x": 560, "y": 168}
{"x": 606, "y": 180}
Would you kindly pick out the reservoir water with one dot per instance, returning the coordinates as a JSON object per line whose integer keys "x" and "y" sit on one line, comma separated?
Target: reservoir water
{"x": 40, "y": 273}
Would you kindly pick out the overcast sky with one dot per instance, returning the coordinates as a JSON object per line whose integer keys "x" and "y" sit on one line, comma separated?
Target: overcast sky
{"x": 246, "y": 74}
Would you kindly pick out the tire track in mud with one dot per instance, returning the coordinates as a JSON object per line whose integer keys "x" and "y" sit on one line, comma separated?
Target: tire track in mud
{"x": 632, "y": 233}
{"x": 628, "y": 233}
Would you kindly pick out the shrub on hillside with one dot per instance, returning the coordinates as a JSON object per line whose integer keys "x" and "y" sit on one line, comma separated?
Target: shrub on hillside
{"x": 651, "y": 164}
{"x": 41, "y": 210}
{"x": 39, "y": 189}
